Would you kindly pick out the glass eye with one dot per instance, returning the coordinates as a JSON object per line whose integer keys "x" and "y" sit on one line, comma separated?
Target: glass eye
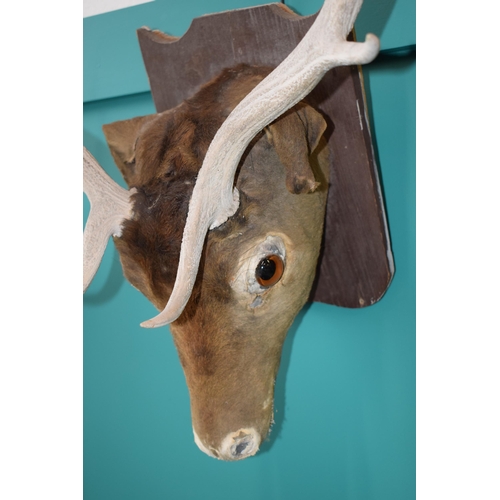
{"x": 269, "y": 270}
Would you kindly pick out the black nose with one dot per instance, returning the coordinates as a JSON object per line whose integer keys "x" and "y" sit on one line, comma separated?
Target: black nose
{"x": 240, "y": 448}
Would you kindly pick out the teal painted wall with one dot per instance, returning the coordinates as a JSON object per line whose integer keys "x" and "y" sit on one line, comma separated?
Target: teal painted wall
{"x": 112, "y": 61}
{"x": 345, "y": 394}
{"x": 393, "y": 21}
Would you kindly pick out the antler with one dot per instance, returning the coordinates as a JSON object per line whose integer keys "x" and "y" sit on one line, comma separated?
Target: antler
{"x": 323, "y": 47}
{"x": 109, "y": 205}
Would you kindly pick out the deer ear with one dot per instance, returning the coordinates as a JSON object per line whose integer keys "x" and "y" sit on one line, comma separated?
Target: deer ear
{"x": 313, "y": 122}
{"x": 295, "y": 135}
{"x": 122, "y": 138}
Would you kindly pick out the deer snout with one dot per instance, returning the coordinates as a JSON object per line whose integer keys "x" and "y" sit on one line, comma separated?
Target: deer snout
{"x": 240, "y": 444}
{"x": 235, "y": 446}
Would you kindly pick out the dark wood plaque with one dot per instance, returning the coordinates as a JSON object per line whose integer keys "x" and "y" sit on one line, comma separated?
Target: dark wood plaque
{"x": 356, "y": 265}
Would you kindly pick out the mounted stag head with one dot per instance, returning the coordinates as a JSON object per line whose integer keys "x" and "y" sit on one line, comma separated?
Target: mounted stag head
{"x": 222, "y": 226}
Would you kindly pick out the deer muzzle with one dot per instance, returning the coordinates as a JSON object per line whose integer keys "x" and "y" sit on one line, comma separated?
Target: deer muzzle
{"x": 235, "y": 446}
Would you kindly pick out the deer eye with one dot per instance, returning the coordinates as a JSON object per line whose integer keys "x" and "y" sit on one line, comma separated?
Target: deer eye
{"x": 269, "y": 270}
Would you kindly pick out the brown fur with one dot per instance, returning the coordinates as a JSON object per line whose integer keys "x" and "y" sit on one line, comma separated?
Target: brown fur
{"x": 229, "y": 350}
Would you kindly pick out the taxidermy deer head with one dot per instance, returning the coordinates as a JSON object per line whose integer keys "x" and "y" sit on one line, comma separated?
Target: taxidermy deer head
{"x": 222, "y": 225}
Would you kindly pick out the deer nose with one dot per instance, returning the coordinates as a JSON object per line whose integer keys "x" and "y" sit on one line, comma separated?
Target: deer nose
{"x": 240, "y": 444}
{"x": 235, "y": 446}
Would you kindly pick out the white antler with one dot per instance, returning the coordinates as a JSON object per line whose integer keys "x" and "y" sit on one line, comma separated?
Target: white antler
{"x": 323, "y": 48}
{"x": 109, "y": 205}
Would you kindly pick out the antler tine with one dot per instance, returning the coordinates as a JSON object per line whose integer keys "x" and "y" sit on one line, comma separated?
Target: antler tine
{"x": 323, "y": 48}
{"x": 109, "y": 205}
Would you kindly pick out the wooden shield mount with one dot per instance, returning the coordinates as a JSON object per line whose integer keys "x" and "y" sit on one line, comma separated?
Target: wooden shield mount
{"x": 356, "y": 264}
